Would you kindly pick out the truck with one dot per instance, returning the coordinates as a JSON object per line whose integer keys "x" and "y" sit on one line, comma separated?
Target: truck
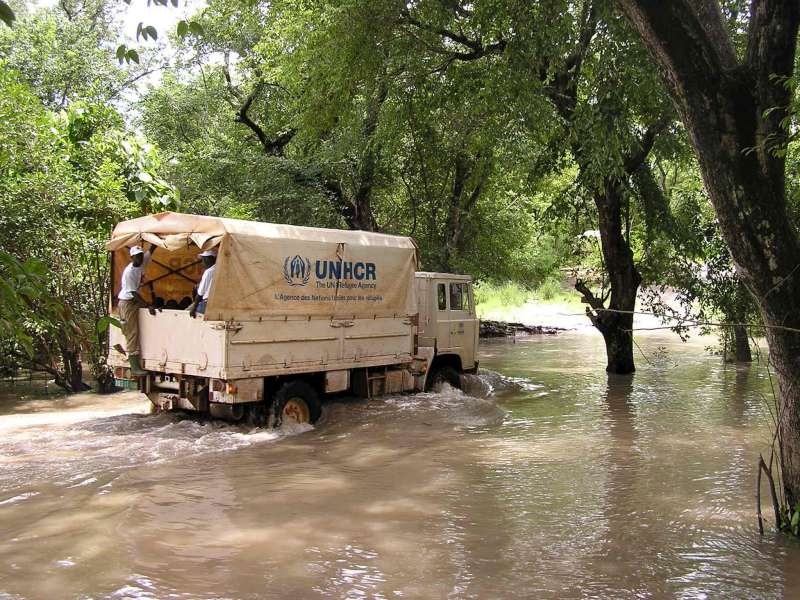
{"x": 294, "y": 315}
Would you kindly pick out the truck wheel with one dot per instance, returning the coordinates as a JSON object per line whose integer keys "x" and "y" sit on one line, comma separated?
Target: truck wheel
{"x": 296, "y": 401}
{"x": 442, "y": 375}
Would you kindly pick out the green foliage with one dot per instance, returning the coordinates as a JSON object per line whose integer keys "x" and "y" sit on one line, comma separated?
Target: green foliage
{"x": 216, "y": 164}
{"x": 128, "y": 55}
{"x": 474, "y": 129}
{"x": 790, "y": 520}
{"x": 26, "y": 304}
{"x": 689, "y": 260}
{"x": 66, "y": 178}
{"x": 507, "y": 294}
{"x": 368, "y": 117}
{"x": 490, "y": 296}
{"x": 65, "y": 57}
{"x": 144, "y": 31}
{"x": 549, "y": 289}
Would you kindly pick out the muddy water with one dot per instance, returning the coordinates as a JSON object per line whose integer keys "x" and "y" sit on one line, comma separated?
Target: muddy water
{"x": 548, "y": 479}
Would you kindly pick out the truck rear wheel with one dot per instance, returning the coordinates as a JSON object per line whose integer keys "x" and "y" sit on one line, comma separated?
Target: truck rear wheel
{"x": 296, "y": 401}
{"x": 446, "y": 374}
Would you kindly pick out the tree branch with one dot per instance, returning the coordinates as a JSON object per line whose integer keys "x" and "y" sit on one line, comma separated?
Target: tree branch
{"x": 709, "y": 14}
{"x": 129, "y": 82}
{"x": 771, "y": 48}
{"x": 563, "y": 91}
{"x": 243, "y": 117}
{"x": 65, "y": 8}
{"x": 593, "y": 301}
{"x": 459, "y": 38}
{"x": 59, "y": 377}
{"x": 588, "y": 29}
{"x": 772, "y": 35}
{"x": 341, "y": 204}
{"x": 273, "y": 147}
{"x": 226, "y": 73}
{"x": 690, "y": 38}
{"x": 476, "y": 46}
{"x": 636, "y": 157}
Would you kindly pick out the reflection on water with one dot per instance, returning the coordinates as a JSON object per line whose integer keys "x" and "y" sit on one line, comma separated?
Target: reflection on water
{"x": 546, "y": 478}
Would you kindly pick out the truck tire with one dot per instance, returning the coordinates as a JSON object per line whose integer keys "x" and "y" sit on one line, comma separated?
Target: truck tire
{"x": 445, "y": 374}
{"x": 297, "y": 400}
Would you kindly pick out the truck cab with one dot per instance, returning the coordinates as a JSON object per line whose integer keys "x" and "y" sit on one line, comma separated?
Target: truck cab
{"x": 447, "y": 324}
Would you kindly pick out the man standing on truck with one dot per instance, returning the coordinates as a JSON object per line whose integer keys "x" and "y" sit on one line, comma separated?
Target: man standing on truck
{"x": 198, "y": 306}
{"x": 130, "y": 301}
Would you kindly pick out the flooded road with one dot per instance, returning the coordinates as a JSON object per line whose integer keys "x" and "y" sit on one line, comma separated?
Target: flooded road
{"x": 548, "y": 479}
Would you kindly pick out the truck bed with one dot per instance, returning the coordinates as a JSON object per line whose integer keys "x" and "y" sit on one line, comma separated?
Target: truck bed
{"x": 174, "y": 343}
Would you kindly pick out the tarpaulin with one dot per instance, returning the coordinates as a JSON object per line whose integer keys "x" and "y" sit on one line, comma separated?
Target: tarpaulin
{"x": 267, "y": 270}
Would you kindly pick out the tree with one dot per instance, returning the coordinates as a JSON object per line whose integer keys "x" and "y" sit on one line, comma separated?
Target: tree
{"x": 63, "y": 53}
{"x": 65, "y": 179}
{"x": 688, "y": 261}
{"x": 280, "y": 89}
{"x": 608, "y": 127}
{"x": 323, "y": 115}
{"x": 735, "y": 104}
{"x": 219, "y": 165}
{"x": 26, "y": 307}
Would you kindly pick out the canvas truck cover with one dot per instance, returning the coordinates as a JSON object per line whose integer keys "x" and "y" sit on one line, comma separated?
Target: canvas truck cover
{"x": 269, "y": 270}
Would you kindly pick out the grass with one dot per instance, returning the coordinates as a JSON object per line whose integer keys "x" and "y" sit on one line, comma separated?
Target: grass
{"x": 491, "y": 298}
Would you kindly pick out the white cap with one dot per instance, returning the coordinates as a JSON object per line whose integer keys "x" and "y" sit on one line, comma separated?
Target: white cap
{"x": 210, "y": 252}
{"x": 136, "y": 250}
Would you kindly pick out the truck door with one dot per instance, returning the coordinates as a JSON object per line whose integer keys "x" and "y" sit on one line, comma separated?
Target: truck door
{"x": 462, "y": 322}
{"x": 442, "y": 316}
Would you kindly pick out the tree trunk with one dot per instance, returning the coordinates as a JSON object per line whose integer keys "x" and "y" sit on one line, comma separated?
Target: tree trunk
{"x": 624, "y": 280}
{"x": 615, "y": 327}
{"x": 614, "y": 322}
{"x": 785, "y": 356}
{"x": 72, "y": 372}
{"x": 619, "y": 346}
{"x": 741, "y": 344}
{"x": 732, "y": 109}
{"x": 356, "y": 217}
{"x": 461, "y": 203}
{"x": 452, "y": 233}
{"x": 364, "y": 217}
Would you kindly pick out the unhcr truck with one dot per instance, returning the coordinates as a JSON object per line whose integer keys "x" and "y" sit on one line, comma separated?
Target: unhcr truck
{"x": 294, "y": 313}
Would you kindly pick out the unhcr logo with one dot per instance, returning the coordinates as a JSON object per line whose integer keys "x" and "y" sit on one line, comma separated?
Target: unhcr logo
{"x": 296, "y": 270}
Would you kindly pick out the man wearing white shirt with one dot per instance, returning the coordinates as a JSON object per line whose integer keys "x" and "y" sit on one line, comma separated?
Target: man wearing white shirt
{"x": 198, "y": 306}
{"x": 130, "y": 301}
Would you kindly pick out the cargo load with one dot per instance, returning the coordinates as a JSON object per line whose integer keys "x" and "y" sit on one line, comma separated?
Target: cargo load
{"x": 267, "y": 270}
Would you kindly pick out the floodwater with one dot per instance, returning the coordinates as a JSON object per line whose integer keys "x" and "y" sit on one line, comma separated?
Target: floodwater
{"x": 548, "y": 480}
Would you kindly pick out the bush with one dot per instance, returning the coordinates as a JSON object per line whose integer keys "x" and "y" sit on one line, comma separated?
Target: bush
{"x": 489, "y": 296}
{"x": 549, "y": 289}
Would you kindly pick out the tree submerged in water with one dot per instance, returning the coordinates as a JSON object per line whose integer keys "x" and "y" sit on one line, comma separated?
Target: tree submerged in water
{"x": 735, "y": 94}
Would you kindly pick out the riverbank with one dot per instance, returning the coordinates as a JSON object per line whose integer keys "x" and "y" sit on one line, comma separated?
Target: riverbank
{"x": 559, "y": 315}
{"x": 499, "y": 329}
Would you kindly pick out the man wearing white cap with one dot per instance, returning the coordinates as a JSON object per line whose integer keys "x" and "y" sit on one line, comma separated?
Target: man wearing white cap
{"x": 130, "y": 301}
{"x": 198, "y": 306}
